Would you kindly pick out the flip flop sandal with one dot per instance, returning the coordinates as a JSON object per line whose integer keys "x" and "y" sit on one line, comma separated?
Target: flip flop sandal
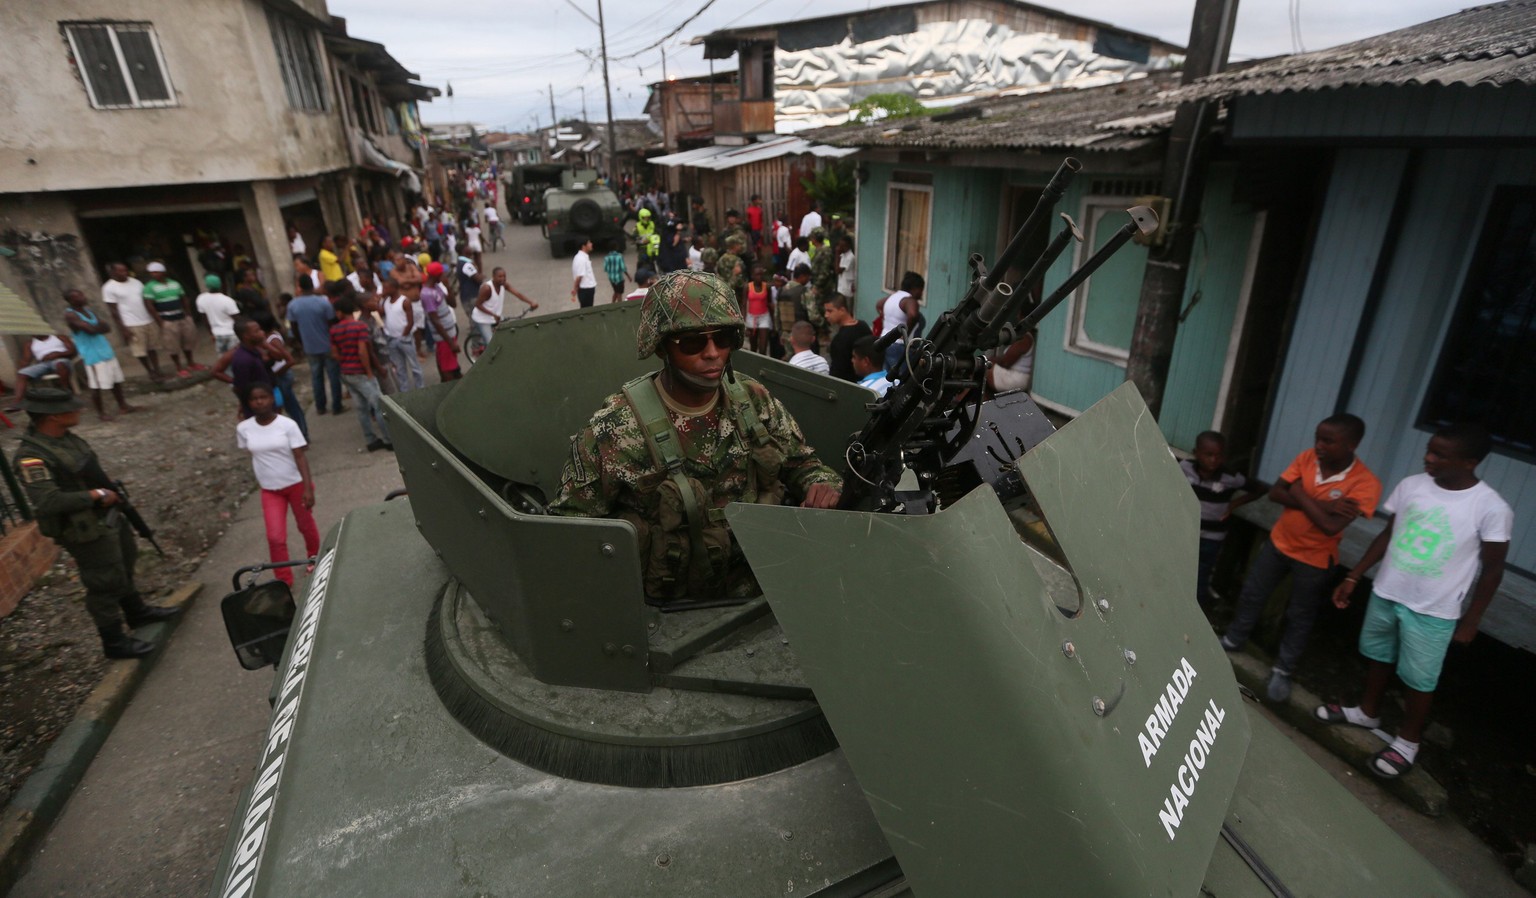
{"x": 1335, "y": 714}
{"x": 1330, "y": 714}
{"x": 1389, "y": 764}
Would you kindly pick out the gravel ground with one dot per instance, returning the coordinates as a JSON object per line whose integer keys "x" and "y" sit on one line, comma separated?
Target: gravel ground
{"x": 178, "y": 459}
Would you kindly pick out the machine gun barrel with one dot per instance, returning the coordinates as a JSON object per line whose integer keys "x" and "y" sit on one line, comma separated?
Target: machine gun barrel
{"x": 1037, "y": 216}
{"x": 1143, "y": 220}
{"x": 1057, "y": 246}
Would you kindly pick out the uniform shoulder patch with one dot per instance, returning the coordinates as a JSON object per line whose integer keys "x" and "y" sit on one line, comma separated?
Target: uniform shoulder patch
{"x": 33, "y": 470}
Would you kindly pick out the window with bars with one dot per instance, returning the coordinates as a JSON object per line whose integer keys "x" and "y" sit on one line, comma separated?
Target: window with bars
{"x": 298, "y": 56}
{"x": 1488, "y": 361}
{"x": 120, "y": 63}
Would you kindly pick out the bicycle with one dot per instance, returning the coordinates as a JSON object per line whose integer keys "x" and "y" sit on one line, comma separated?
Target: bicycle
{"x": 474, "y": 343}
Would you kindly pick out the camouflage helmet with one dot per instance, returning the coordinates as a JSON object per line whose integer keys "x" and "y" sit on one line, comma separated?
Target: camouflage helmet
{"x": 818, "y": 234}
{"x": 684, "y": 301}
{"x": 709, "y": 255}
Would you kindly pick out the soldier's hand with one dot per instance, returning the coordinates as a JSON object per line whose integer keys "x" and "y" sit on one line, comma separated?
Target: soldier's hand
{"x": 108, "y": 498}
{"x": 821, "y": 495}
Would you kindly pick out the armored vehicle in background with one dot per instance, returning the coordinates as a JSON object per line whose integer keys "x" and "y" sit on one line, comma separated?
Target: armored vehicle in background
{"x": 526, "y": 186}
{"x": 1005, "y": 688}
{"x": 582, "y": 209}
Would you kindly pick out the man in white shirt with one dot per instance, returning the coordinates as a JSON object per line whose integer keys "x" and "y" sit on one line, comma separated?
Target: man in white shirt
{"x": 135, "y": 319}
{"x": 584, "y": 281}
{"x": 801, "y": 337}
{"x": 220, "y": 309}
{"x": 401, "y": 318}
{"x": 811, "y": 221}
{"x": 782, "y": 241}
{"x": 798, "y": 256}
{"x": 1446, "y": 523}
{"x": 845, "y": 266}
{"x": 296, "y": 240}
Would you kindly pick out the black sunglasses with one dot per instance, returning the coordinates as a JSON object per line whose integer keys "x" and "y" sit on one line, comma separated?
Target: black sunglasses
{"x": 694, "y": 343}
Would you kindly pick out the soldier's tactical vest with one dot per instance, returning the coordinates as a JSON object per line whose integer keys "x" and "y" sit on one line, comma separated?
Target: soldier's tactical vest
{"x": 687, "y": 550}
{"x": 77, "y": 527}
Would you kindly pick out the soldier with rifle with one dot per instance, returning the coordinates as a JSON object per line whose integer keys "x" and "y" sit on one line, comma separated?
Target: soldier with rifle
{"x": 79, "y": 508}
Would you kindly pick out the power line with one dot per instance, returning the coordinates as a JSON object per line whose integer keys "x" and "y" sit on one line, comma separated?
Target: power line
{"x": 671, "y": 34}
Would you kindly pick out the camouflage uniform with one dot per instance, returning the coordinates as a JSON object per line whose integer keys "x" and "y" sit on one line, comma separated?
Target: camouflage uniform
{"x": 62, "y": 479}
{"x": 823, "y": 281}
{"x": 726, "y": 266}
{"x": 709, "y": 257}
{"x": 613, "y": 472}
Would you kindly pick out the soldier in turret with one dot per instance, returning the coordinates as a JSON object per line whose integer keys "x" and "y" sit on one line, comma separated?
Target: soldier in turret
{"x": 671, "y": 449}
{"x": 73, "y": 500}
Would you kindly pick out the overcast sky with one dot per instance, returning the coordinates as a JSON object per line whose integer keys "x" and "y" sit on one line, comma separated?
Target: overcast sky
{"x": 501, "y": 56}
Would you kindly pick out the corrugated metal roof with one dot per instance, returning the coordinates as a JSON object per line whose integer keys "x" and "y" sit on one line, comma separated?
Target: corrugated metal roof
{"x": 719, "y": 158}
{"x": 1111, "y": 117}
{"x": 1485, "y": 45}
{"x": 16, "y": 317}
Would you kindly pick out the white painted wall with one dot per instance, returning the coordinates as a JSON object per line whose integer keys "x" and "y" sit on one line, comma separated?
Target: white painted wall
{"x": 233, "y": 121}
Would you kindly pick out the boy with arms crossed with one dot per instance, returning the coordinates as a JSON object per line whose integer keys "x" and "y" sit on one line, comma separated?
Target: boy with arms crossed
{"x": 1446, "y": 522}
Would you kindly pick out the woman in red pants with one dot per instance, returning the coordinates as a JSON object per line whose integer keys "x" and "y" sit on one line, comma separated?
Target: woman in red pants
{"x": 277, "y": 453}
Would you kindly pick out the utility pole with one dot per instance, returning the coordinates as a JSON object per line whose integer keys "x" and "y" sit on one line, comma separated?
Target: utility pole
{"x": 1183, "y": 184}
{"x": 602, "y": 34}
{"x": 664, "y": 64}
{"x": 583, "y": 89}
{"x": 554, "y": 123}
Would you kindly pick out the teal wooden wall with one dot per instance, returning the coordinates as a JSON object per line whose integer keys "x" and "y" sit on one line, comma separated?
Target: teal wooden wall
{"x": 966, "y": 205}
{"x": 966, "y": 218}
{"x": 1429, "y": 112}
{"x": 1449, "y": 200}
{"x": 1069, "y": 378}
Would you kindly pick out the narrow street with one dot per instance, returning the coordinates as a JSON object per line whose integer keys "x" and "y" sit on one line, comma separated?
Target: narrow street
{"x": 153, "y": 811}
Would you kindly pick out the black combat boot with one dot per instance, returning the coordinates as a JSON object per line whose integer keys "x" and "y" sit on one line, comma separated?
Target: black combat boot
{"x": 117, "y": 644}
{"x": 140, "y": 613}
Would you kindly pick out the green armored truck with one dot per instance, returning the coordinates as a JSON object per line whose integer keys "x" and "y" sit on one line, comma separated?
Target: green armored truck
{"x": 582, "y": 209}
{"x": 983, "y": 675}
{"x": 526, "y": 187}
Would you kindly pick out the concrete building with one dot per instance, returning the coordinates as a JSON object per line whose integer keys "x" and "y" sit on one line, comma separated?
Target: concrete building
{"x": 147, "y": 128}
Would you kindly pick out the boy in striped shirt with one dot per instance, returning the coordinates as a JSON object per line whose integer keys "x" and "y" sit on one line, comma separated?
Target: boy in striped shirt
{"x": 1219, "y": 492}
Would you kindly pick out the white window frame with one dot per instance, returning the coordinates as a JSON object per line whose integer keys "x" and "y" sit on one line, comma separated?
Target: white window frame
{"x": 122, "y": 64}
{"x": 891, "y": 277}
{"x": 1074, "y": 339}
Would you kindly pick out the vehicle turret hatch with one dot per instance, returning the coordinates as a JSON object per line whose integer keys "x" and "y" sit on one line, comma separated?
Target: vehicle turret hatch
{"x": 1004, "y": 746}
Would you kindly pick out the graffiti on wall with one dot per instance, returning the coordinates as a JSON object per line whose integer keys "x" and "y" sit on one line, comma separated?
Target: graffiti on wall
{"x": 43, "y": 267}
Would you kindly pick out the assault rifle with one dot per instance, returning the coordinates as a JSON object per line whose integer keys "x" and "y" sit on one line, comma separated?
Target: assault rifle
{"x": 935, "y": 406}
{"x": 98, "y": 479}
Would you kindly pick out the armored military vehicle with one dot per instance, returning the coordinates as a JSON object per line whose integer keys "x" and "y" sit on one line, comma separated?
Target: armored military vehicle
{"x": 581, "y": 209}
{"x": 987, "y": 677}
{"x": 526, "y": 186}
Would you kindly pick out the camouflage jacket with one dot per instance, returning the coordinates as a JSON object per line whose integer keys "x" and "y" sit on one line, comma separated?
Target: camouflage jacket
{"x": 726, "y": 266}
{"x": 50, "y": 471}
{"x": 610, "y": 470}
{"x": 824, "y": 274}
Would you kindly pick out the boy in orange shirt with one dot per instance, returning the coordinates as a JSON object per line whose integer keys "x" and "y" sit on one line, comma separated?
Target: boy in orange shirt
{"x": 1324, "y": 489}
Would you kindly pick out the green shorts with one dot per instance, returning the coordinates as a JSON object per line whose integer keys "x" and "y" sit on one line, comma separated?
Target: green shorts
{"x": 1416, "y": 643}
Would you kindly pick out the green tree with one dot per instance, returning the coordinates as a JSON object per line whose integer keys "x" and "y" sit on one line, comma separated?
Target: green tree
{"x": 877, "y": 107}
{"x": 834, "y": 187}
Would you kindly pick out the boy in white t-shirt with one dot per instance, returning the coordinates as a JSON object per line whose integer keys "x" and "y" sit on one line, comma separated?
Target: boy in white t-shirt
{"x": 1445, "y": 523}
{"x": 220, "y": 309}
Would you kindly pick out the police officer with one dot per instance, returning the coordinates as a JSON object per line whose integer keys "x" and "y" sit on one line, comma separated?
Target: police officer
{"x": 73, "y": 504}
{"x": 671, "y": 449}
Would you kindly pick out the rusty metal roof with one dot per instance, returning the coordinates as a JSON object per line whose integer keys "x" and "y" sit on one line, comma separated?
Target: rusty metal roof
{"x": 1485, "y": 45}
{"x": 1111, "y": 117}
